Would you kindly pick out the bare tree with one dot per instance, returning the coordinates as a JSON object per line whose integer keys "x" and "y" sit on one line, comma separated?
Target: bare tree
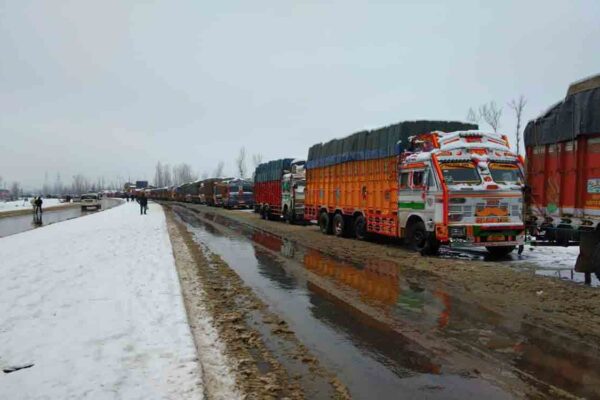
{"x": 257, "y": 159}
{"x": 182, "y": 173}
{"x": 58, "y": 186}
{"x": 80, "y": 184}
{"x": 473, "y": 116}
{"x": 517, "y": 106}
{"x": 167, "y": 175}
{"x": 491, "y": 114}
{"x": 15, "y": 190}
{"x": 159, "y": 175}
{"x": 46, "y": 186}
{"x": 240, "y": 162}
{"x": 219, "y": 170}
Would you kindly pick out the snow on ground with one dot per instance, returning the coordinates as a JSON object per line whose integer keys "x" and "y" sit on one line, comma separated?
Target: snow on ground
{"x": 558, "y": 262}
{"x": 94, "y": 303}
{"x": 21, "y": 204}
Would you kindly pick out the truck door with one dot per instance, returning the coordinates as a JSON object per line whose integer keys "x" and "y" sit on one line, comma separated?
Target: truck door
{"x": 411, "y": 194}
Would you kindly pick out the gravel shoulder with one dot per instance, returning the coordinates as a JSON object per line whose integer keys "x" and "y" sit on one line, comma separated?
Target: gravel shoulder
{"x": 266, "y": 358}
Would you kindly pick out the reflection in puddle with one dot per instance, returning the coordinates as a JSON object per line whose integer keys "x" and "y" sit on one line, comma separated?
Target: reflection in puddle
{"x": 380, "y": 329}
{"x": 373, "y": 359}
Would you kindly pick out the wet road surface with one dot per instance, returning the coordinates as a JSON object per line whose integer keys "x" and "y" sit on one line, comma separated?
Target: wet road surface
{"x": 387, "y": 334}
{"x": 22, "y": 223}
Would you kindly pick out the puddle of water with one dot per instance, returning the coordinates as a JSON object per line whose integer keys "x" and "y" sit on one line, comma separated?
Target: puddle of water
{"x": 22, "y": 223}
{"x": 373, "y": 360}
{"x": 538, "y": 356}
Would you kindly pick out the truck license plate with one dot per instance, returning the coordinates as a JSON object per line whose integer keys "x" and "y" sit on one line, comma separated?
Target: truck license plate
{"x": 495, "y": 238}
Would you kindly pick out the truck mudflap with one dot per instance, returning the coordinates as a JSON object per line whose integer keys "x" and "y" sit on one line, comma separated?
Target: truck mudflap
{"x": 589, "y": 252}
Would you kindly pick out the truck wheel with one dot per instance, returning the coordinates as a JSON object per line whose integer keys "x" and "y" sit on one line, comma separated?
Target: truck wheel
{"x": 360, "y": 228}
{"x": 417, "y": 236}
{"x": 289, "y": 216}
{"x": 325, "y": 223}
{"x": 339, "y": 225}
{"x": 500, "y": 251}
{"x": 432, "y": 246}
{"x": 596, "y": 260}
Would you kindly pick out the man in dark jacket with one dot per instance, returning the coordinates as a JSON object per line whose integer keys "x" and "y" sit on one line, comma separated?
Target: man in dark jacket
{"x": 38, "y": 205}
{"x": 143, "y": 200}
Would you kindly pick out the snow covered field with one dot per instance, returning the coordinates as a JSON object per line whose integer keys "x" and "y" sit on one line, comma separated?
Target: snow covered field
{"x": 20, "y": 204}
{"x": 95, "y": 305}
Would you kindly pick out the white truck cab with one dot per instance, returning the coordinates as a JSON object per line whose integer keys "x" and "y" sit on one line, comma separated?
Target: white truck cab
{"x": 461, "y": 188}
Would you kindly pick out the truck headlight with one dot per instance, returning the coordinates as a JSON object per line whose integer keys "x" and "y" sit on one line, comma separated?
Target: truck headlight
{"x": 457, "y": 231}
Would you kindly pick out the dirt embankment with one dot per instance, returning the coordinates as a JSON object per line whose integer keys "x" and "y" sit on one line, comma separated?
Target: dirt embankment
{"x": 564, "y": 308}
{"x": 267, "y": 359}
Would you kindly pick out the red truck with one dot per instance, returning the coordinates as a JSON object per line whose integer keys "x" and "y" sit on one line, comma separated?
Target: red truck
{"x": 267, "y": 187}
{"x": 563, "y": 174}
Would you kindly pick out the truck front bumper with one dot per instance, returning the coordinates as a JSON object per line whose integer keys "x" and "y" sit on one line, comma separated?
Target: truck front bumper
{"x": 485, "y": 236}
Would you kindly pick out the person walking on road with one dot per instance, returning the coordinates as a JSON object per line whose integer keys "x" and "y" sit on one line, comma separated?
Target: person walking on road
{"x": 143, "y": 200}
{"x": 37, "y": 205}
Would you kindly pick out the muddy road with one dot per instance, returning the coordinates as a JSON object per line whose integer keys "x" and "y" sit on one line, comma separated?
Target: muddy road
{"x": 386, "y": 323}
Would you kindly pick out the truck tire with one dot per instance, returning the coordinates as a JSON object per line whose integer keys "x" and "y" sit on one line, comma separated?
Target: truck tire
{"x": 325, "y": 223}
{"x": 360, "y": 228}
{"x": 596, "y": 260}
{"x": 289, "y": 216}
{"x": 339, "y": 225}
{"x": 416, "y": 236}
{"x": 500, "y": 251}
{"x": 432, "y": 246}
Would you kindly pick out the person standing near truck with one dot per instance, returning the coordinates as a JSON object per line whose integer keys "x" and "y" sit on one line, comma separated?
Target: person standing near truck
{"x": 143, "y": 201}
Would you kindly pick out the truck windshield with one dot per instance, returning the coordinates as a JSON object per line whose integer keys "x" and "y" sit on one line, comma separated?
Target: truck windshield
{"x": 506, "y": 174}
{"x": 460, "y": 173}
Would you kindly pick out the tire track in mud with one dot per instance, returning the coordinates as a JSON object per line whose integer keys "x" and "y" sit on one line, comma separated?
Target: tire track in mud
{"x": 268, "y": 360}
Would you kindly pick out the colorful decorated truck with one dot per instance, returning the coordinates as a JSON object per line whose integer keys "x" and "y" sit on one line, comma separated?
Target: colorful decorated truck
{"x": 413, "y": 180}
{"x": 206, "y": 191}
{"x": 563, "y": 174}
{"x": 234, "y": 193}
{"x": 292, "y": 192}
{"x": 279, "y": 189}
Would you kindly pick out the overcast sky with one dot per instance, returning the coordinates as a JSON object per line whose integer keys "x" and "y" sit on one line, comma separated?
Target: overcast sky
{"x": 108, "y": 88}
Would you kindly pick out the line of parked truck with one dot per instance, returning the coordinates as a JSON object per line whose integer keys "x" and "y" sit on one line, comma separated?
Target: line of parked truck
{"x": 217, "y": 192}
{"x": 436, "y": 183}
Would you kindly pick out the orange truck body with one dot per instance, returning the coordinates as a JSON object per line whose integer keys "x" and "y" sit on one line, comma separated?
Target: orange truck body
{"x": 367, "y": 185}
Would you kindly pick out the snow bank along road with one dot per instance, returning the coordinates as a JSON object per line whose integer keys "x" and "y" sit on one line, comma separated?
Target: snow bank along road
{"x": 94, "y": 306}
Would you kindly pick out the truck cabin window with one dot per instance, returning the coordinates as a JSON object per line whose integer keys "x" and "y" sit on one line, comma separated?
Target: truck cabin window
{"x": 417, "y": 179}
{"x": 404, "y": 180}
{"x": 460, "y": 173}
{"x": 507, "y": 174}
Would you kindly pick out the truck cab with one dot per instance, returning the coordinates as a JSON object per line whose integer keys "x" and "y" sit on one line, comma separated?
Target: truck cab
{"x": 463, "y": 189}
{"x": 293, "y": 184}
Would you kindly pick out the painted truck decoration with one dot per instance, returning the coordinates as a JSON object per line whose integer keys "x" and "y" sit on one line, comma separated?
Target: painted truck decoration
{"x": 563, "y": 174}
{"x": 279, "y": 189}
{"x": 459, "y": 188}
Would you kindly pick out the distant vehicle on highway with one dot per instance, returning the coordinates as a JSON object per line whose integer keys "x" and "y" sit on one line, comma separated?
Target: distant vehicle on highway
{"x": 90, "y": 200}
